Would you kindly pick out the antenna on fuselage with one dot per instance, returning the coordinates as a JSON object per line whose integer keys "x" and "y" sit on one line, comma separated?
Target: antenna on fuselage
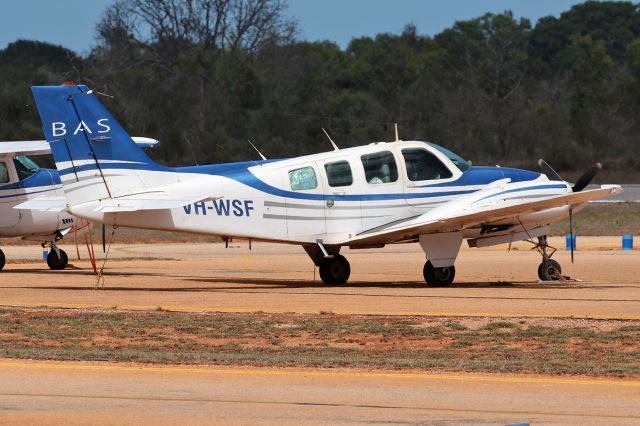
{"x": 335, "y": 147}
{"x": 395, "y": 125}
{"x": 257, "y": 150}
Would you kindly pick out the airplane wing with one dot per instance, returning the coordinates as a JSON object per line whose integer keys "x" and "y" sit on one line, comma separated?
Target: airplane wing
{"x": 456, "y": 215}
{"x": 42, "y": 147}
{"x": 45, "y": 204}
{"x": 25, "y": 147}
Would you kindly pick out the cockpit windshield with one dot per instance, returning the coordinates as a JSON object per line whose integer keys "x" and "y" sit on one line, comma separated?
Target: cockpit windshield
{"x": 455, "y": 158}
{"x": 25, "y": 166}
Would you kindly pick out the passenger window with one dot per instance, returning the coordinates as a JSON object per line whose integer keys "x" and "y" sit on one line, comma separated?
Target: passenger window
{"x": 304, "y": 178}
{"x": 25, "y": 166}
{"x": 380, "y": 167}
{"x": 423, "y": 165}
{"x": 339, "y": 173}
{"x": 4, "y": 173}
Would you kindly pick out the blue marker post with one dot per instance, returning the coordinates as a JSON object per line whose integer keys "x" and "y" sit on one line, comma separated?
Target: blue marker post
{"x": 571, "y": 241}
{"x": 627, "y": 242}
{"x": 45, "y": 253}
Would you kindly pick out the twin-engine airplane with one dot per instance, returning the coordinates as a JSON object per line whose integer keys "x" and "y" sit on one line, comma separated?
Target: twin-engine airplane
{"x": 362, "y": 197}
{"x": 21, "y": 179}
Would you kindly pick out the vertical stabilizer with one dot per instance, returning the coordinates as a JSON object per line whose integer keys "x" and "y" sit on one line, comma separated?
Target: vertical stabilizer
{"x": 96, "y": 157}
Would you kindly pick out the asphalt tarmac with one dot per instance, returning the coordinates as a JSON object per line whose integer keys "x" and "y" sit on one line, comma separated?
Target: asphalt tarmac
{"x": 605, "y": 283}
{"x": 274, "y": 278}
{"x": 77, "y": 393}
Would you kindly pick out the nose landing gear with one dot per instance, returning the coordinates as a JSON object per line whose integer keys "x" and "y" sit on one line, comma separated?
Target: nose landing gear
{"x": 2, "y": 260}
{"x": 549, "y": 269}
{"x": 57, "y": 258}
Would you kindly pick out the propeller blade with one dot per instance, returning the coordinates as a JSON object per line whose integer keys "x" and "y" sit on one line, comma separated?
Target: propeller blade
{"x": 548, "y": 170}
{"x": 586, "y": 178}
{"x": 104, "y": 239}
{"x": 571, "y": 230}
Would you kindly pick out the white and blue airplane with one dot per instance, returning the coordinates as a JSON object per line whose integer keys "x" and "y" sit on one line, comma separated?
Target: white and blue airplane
{"x": 361, "y": 197}
{"x": 21, "y": 179}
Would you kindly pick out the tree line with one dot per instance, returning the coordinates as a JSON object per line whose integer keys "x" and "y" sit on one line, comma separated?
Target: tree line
{"x": 203, "y": 76}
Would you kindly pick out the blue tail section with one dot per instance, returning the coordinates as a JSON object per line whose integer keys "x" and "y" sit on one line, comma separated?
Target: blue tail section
{"x": 96, "y": 157}
{"x": 80, "y": 128}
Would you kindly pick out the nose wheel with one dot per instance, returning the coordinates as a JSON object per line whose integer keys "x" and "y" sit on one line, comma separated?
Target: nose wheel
{"x": 334, "y": 270}
{"x": 57, "y": 262}
{"x": 438, "y": 277}
{"x": 549, "y": 269}
{"x": 2, "y": 260}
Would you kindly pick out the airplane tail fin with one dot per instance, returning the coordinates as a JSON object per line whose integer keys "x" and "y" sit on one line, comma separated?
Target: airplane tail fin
{"x": 96, "y": 158}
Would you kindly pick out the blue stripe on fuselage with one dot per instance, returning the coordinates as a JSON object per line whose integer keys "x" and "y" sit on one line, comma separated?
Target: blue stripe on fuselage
{"x": 240, "y": 173}
{"x": 529, "y": 188}
{"x": 43, "y": 177}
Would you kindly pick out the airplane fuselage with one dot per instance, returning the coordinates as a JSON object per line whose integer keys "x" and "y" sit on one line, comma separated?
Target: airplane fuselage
{"x": 31, "y": 223}
{"x": 331, "y": 196}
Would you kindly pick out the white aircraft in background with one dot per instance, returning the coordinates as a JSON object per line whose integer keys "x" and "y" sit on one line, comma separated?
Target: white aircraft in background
{"x": 361, "y": 197}
{"x": 21, "y": 179}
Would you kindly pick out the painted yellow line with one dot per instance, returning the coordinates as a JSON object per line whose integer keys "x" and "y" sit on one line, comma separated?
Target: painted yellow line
{"x": 193, "y": 308}
{"x": 44, "y": 365}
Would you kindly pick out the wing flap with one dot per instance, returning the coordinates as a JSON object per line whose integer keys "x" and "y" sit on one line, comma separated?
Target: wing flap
{"x": 445, "y": 219}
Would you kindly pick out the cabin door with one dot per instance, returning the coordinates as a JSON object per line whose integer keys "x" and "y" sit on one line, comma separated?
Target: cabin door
{"x": 342, "y": 205}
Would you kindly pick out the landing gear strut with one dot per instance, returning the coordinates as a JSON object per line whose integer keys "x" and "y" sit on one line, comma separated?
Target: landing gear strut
{"x": 57, "y": 259}
{"x": 549, "y": 269}
{"x": 438, "y": 277}
{"x": 2, "y": 260}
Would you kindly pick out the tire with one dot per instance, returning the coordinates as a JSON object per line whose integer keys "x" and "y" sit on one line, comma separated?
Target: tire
{"x": 55, "y": 263}
{"x": 2, "y": 260}
{"x": 438, "y": 277}
{"x": 550, "y": 270}
{"x": 335, "y": 270}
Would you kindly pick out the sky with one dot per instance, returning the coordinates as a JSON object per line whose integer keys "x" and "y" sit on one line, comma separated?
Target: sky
{"x": 71, "y": 23}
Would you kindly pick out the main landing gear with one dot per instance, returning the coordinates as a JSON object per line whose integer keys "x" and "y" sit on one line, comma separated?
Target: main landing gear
{"x": 438, "y": 277}
{"x": 57, "y": 258}
{"x": 334, "y": 270}
{"x": 549, "y": 269}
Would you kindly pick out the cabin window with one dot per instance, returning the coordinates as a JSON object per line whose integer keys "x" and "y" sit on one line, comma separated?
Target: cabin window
{"x": 380, "y": 167}
{"x": 423, "y": 165}
{"x": 25, "y": 166}
{"x": 4, "y": 172}
{"x": 304, "y": 178}
{"x": 339, "y": 173}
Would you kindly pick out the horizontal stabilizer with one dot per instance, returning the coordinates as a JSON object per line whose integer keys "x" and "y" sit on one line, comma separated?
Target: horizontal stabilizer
{"x": 149, "y": 201}
{"x": 44, "y": 204}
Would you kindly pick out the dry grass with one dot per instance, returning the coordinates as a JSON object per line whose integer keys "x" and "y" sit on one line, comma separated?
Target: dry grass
{"x": 603, "y": 219}
{"x": 472, "y": 344}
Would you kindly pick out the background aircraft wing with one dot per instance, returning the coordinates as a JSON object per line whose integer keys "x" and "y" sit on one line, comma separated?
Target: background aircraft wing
{"x": 455, "y": 216}
{"x": 42, "y": 147}
{"x": 25, "y": 148}
{"x": 44, "y": 203}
